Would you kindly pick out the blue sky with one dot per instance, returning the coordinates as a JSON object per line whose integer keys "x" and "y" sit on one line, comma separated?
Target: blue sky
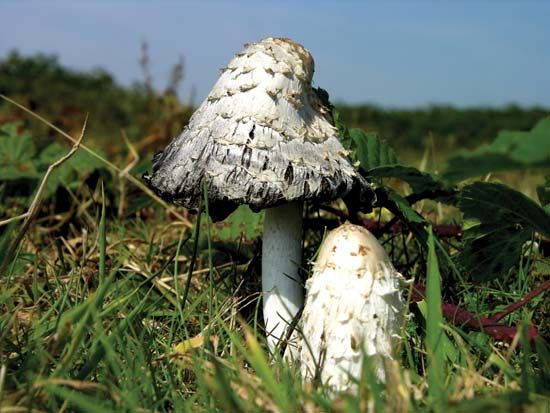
{"x": 393, "y": 53}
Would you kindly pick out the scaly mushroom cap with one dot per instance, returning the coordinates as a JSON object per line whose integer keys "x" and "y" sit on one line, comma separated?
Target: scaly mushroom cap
{"x": 262, "y": 137}
{"x": 354, "y": 307}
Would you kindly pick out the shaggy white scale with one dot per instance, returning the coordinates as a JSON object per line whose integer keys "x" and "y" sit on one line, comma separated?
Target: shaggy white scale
{"x": 354, "y": 306}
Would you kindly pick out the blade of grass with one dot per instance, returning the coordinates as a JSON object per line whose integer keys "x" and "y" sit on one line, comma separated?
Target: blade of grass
{"x": 75, "y": 322}
{"x": 175, "y": 277}
{"x": 98, "y": 355}
{"x": 210, "y": 261}
{"x": 254, "y": 354}
{"x": 527, "y": 371}
{"x": 368, "y": 377}
{"x": 193, "y": 257}
{"x": 222, "y": 388}
{"x": 434, "y": 326}
{"x": 102, "y": 237}
{"x": 83, "y": 402}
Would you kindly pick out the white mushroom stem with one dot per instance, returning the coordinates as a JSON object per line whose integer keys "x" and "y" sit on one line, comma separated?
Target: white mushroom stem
{"x": 354, "y": 308}
{"x": 283, "y": 293}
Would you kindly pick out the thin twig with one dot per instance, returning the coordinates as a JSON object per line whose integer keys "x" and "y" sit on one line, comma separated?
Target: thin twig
{"x": 109, "y": 164}
{"x": 13, "y": 219}
{"x": 35, "y": 204}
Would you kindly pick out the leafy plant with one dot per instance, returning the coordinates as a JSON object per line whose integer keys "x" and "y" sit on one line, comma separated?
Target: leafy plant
{"x": 498, "y": 221}
{"x": 510, "y": 150}
{"x": 16, "y": 154}
{"x": 21, "y": 162}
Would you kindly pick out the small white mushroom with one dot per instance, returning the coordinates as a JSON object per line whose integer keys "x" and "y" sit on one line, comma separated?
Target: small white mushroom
{"x": 354, "y": 307}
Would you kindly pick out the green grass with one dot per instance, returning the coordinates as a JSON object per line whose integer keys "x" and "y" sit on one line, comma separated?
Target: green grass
{"x": 144, "y": 311}
{"x": 73, "y": 341}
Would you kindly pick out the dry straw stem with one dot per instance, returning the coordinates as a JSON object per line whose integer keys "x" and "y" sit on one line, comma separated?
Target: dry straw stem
{"x": 125, "y": 172}
{"x": 13, "y": 219}
{"x": 35, "y": 205}
{"x": 109, "y": 164}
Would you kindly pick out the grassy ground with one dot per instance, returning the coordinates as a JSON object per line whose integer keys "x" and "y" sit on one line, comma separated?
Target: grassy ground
{"x": 114, "y": 303}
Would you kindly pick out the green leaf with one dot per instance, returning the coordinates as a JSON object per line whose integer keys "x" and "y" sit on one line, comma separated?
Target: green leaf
{"x": 418, "y": 181}
{"x": 448, "y": 348}
{"x": 510, "y": 150}
{"x": 434, "y": 325}
{"x": 500, "y": 220}
{"x": 69, "y": 174}
{"x": 370, "y": 151}
{"x": 490, "y": 202}
{"x": 543, "y": 192}
{"x": 16, "y": 154}
{"x": 400, "y": 207}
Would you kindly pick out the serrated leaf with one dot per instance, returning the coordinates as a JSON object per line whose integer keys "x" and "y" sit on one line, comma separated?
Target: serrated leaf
{"x": 490, "y": 252}
{"x": 510, "y": 150}
{"x": 505, "y": 220}
{"x": 417, "y": 180}
{"x": 491, "y": 202}
{"x": 16, "y": 154}
{"x": 370, "y": 151}
{"x": 406, "y": 211}
{"x": 399, "y": 206}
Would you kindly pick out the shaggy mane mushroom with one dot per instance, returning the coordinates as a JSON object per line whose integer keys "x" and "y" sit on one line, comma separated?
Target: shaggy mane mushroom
{"x": 354, "y": 308}
{"x": 262, "y": 137}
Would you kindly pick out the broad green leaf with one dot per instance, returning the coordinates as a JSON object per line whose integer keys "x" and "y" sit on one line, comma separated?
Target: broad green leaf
{"x": 16, "y": 154}
{"x": 510, "y": 150}
{"x": 500, "y": 221}
{"x": 542, "y": 266}
{"x": 489, "y": 202}
{"x": 19, "y": 160}
{"x": 400, "y": 207}
{"x": 489, "y": 251}
{"x": 370, "y": 151}
{"x": 403, "y": 209}
{"x": 418, "y": 181}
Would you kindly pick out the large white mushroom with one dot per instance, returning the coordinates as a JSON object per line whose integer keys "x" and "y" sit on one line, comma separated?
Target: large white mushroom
{"x": 262, "y": 137}
{"x": 354, "y": 307}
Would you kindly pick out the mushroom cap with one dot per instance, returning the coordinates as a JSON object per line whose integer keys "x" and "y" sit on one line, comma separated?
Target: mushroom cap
{"x": 354, "y": 307}
{"x": 262, "y": 137}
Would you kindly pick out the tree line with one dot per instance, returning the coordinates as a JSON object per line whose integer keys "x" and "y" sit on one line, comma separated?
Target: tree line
{"x": 66, "y": 96}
